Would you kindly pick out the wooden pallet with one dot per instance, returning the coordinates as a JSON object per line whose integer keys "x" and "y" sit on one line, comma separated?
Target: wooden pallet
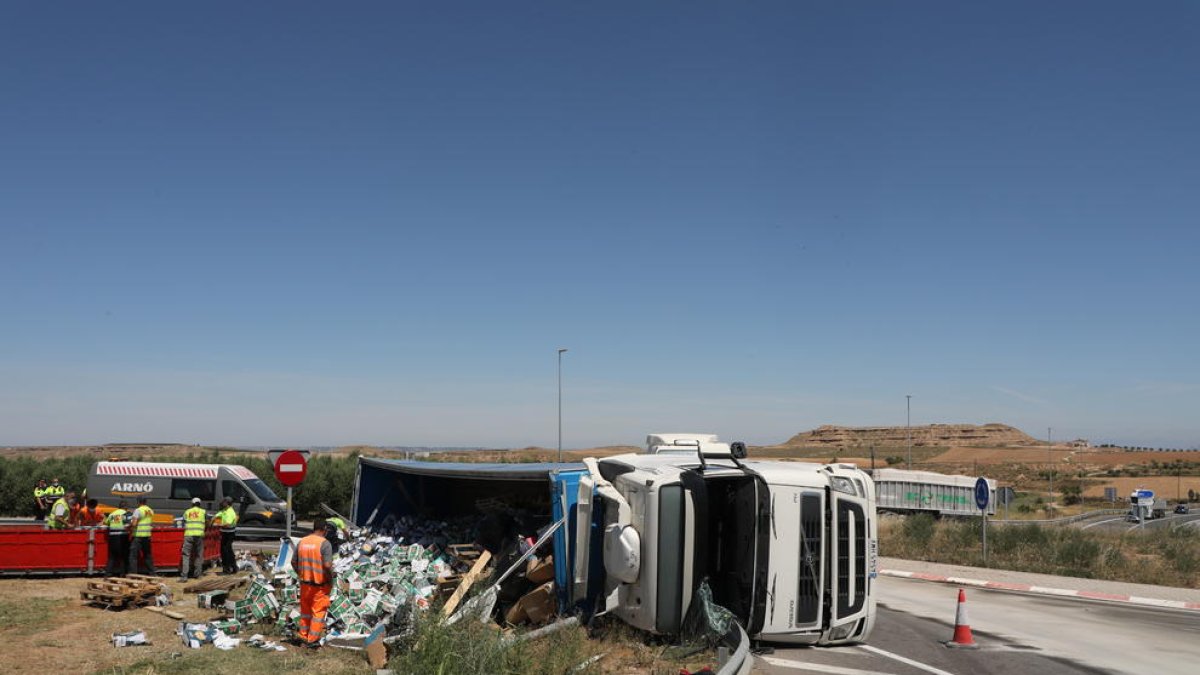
{"x": 448, "y": 584}
{"x": 119, "y": 593}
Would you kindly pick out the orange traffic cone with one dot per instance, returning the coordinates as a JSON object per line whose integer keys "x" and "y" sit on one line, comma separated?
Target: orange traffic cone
{"x": 962, "y": 627}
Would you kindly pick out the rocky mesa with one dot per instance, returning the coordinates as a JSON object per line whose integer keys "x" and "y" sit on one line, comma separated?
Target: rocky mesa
{"x": 969, "y": 435}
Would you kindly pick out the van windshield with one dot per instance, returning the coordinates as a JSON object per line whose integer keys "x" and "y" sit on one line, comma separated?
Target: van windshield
{"x": 262, "y": 490}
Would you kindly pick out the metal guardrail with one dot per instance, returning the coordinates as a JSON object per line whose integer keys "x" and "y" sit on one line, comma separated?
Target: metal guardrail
{"x": 1064, "y": 521}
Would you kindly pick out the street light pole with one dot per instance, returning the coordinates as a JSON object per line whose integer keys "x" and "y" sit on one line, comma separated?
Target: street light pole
{"x": 908, "y": 426}
{"x": 560, "y": 353}
{"x": 1050, "y": 461}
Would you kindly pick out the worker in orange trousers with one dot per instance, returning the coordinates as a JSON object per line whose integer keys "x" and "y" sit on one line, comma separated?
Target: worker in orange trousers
{"x": 313, "y": 563}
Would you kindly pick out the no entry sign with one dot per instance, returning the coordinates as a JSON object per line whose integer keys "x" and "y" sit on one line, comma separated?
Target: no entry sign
{"x": 291, "y": 467}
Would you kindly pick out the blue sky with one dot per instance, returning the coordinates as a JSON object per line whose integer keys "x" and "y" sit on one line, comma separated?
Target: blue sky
{"x": 294, "y": 223}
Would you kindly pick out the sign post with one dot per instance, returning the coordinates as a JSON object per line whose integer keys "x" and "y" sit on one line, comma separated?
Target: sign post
{"x": 982, "y": 495}
{"x": 290, "y": 468}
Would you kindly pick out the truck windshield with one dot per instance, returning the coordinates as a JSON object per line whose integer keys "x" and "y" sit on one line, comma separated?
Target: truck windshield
{"x": 262, "y": 490}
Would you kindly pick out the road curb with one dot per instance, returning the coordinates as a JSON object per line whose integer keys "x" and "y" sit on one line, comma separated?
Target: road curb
{"x": 1043, "y": 590}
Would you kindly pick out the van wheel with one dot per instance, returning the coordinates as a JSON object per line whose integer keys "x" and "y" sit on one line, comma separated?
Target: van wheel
{"x": 252, "y": 522}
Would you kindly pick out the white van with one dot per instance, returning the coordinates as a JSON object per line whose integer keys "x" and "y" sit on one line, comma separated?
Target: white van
{"x": 169, "y": 489}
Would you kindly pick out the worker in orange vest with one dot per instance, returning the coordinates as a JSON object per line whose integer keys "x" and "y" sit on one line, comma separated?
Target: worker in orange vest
{"x": 313, "y": 563}
{"x": 91, "y": 515}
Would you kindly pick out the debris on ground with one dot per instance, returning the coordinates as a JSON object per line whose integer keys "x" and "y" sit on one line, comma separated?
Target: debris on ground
{"x": 383, "y": 577}
{"x": 130, "y": 639}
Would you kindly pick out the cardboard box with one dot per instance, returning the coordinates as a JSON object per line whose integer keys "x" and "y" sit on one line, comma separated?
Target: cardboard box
{"x": 515, "y": 614}
{"x": 227, "y": 626}
{"x": 539, "y": 571}
{"x": 211, "y": 599}
{"x": 539, "y": 604}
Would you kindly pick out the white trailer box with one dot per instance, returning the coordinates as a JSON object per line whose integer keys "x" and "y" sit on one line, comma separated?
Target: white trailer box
{"x": 928, "y": 492}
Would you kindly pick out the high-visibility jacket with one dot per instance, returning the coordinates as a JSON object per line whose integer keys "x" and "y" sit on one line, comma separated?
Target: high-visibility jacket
{"x": 56, "y": 492}
{"x": 40, "y": 493}
{"x": 228, "y": 519}
{"x": 310, "y": 567}
{"x": 338, "y": 523}
{"x": 88, "y": 518}
{"x": 53, "y": 521}
{"x": 193, "y": 522}
{"x": 115, "y": 520}
{"x": 145, "y": 521}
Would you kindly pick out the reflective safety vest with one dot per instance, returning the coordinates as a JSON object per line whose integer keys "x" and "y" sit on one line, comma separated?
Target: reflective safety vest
{"x": 193, "y": 522}
{"x": 88, "y": 517}
{"x": 145, "y": 521}
{"x": 338, "y": 523}
{"x": 56, "y": 492}
{"x": 40, "y": 493}
{"x": 53, "y": 522}
{"x": 115, "y": 521}
{"x": 309, "y": 565}
{"x": 229, "y": 519}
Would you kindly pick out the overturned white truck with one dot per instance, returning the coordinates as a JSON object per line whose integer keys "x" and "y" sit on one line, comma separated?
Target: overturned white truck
{"x": 790, "y": 548}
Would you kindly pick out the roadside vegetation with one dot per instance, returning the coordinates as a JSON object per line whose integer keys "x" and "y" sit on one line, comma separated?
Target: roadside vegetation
{"x": 1161, "y": 556}
{"x": 330, "y": 479}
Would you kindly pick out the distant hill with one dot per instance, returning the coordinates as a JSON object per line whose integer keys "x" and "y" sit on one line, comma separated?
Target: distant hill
{"x": 971, "y": 435}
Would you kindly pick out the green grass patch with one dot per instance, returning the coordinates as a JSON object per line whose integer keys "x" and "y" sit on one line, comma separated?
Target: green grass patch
{"x": 28, "y": 616}
{"x": 471, "y": 648}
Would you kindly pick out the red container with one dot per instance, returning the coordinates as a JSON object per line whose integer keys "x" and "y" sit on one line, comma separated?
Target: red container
{"x": 31, "y": 549}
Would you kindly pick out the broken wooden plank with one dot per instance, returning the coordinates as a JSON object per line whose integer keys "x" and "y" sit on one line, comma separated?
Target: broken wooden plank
{"x": 215, "y": 584}
{"x": 461, "y": 591}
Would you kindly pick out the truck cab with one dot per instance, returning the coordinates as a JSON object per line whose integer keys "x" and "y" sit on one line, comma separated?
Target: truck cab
{"x": 790, "y": 548}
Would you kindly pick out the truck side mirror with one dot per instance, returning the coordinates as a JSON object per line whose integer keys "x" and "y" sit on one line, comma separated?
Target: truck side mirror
{"x": 738, "y": 450}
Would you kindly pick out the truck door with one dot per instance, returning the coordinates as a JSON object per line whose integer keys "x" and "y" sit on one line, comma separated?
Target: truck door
{"x": 850, "y": 542}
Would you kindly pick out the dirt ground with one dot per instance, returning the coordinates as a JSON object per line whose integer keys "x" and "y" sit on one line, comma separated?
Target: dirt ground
{"x": 1165, "y": 487}
{"x": 76, "y": 638}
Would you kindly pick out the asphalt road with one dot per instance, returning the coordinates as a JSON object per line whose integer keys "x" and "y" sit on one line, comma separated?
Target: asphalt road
{"x": 1017, "y": 634}
{"x": 1119, "y": 523}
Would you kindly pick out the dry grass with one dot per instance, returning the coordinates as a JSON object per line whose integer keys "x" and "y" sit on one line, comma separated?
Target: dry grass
{"x": 76, "y": 638}
{"x": 1165, "y": 557}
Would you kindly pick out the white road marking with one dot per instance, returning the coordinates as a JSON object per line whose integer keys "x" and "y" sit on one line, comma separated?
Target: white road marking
{"x": 817, "y": 667}
{"x": 906, "y": 661}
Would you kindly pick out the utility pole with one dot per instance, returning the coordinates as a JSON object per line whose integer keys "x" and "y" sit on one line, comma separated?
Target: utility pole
{"x": 1050, "y": 460}
{"x": 560, "y": 353}
{"x": 908, "y": 426}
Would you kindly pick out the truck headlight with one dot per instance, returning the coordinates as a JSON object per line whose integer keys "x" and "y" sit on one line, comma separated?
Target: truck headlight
{"x": 843, "y": 631}
{"x": 842, "y": 484}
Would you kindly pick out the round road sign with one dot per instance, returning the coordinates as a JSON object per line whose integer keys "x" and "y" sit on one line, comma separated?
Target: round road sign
{"x": 982, "y": 493}
{"x": 290, "y": 468}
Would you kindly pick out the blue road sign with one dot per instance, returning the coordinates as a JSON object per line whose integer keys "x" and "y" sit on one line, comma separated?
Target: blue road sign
{"x": 982, "y": 493}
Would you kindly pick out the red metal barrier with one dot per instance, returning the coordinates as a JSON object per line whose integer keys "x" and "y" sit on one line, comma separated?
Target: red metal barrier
{"x": 29, "y": 549}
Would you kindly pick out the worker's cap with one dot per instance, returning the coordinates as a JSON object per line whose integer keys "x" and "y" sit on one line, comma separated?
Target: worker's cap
{"x": 195, "y": 500}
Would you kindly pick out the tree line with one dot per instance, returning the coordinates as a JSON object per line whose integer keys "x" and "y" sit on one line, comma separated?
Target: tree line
{"x": 329, "y": 479}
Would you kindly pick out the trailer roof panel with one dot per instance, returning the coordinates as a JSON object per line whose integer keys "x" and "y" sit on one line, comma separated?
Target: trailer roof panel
{"x": 481, "y": 471}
